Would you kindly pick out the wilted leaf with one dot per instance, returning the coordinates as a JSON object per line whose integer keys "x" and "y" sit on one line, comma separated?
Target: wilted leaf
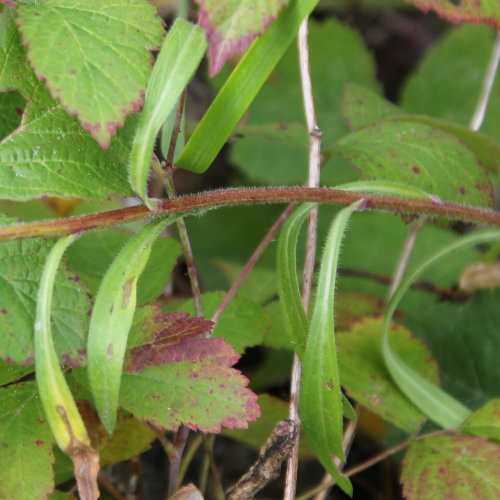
{"x": 456, "y": 11}
{"x": 21, "y": 264}
{"x": 485, "y": 422}
{"x": 366, "y": 379}
{"x": 26, "y": 443}
{"x": 67, "y": 162}
{"x": 178, "y": 377}
{"x": 456, "y": 466}
{"x": 231, "y": 26}
{"x": 94, "y": 56}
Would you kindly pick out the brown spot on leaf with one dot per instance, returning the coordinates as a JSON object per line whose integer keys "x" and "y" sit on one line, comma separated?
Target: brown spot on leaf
{"x": 416, "y": 170}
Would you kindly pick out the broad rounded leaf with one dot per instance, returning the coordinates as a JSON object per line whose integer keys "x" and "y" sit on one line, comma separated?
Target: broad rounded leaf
{"x": 453, "y": 466}
{"x": 94, "y": 56}
{"x": 176, "y": 377}
{"x": 366, "y": 379}
{"x": 67, "y": 162}
{"x": 231, "y": 26}
{"x": 456, "y": 11}
{"x": 21, "y": 265}
{"x": 26, "y": 443}
{"x": 458, "y": 62}
{"x": 420, "y": 155}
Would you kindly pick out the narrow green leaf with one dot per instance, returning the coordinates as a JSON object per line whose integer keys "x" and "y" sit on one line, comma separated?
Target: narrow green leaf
{"x": 112, "y": 318}
{"x": 321, "y": 397}
{"x": 241, "y": 88}
{"x": 60, "y": 407}
{"x": 179, "y": 57}
{"x": 433, "y": 401}
{"x": 288, "y": 281}
{"x": 387, "y": 188}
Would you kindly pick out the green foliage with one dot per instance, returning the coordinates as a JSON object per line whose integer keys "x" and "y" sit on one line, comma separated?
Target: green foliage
{"x": 24, "y": 433}
{"x": 98, "y": 46}
{"x": 463, "y": 466}
{"x": 71, "y": 73}
{"x": 365, "y": 376}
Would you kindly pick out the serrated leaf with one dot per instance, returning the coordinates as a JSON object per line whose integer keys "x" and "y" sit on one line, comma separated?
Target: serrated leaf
{"x": 458, "y": 62}
{"x": 243, "y": 324}
{"x": 179, "y": 378}
{"x": 112, "y": 317}
{"x": 91, "y": 255}
{"x": 469, "y": 362}
{"x": 366, "y": 379}
{"x": 472, "y": 11}
{"x": 232, "y": 26}
{"x": 26, "y": 442}
{"x": 459, "y": 466}
{"x": 337, "y": 56}
{"x": 67, "y": 162}
{"x": 21, "y": 265}
{"x": 485, "y": 422}
{"x": 420, "y": 155}
{"x": 93, "y": 55}
{"x": 321, "y": 405}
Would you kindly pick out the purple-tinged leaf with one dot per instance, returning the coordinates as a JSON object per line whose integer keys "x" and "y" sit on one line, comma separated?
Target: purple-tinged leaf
{"x": 232, "y": 25}
{"x": 451, "y": 466}
{"x": 176, "y": 376}
{"x": 457, "y": 11}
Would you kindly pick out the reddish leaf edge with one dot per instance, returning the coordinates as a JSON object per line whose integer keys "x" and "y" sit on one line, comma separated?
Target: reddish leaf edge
{"x": 92, "y": 127}
{"x": 217, "y": 56}
{"x": 455, "y": 13}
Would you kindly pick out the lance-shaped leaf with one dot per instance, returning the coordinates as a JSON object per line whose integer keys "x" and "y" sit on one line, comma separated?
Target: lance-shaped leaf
{"x": 175, "y": 375}
{"x": 26, "y": 443}
{"x": 67, "y": 162}
{"x": 320, "y": 394}
{"x": 459, "y": 466}
{"x": 93, "y": 55}
{"x": 438, "y": 405}
{"x": 112, "y": 318}
{"x": 241, "y": 88}
{"x": 179, "y": 57}
{"x": 366, "y": 379}
{"x": 288, "y": 282}
{"x": 484, "y": 11}
{"x": 60, "y": 408}
{"x": 231, "y": 26}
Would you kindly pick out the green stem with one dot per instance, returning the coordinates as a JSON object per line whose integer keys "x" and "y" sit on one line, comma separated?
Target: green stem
{"x": 209, "y": 200}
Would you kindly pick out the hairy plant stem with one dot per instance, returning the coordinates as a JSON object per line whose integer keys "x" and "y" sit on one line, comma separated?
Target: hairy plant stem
{"x": 312, "y": 234}
{"x": 197, "y": 204}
